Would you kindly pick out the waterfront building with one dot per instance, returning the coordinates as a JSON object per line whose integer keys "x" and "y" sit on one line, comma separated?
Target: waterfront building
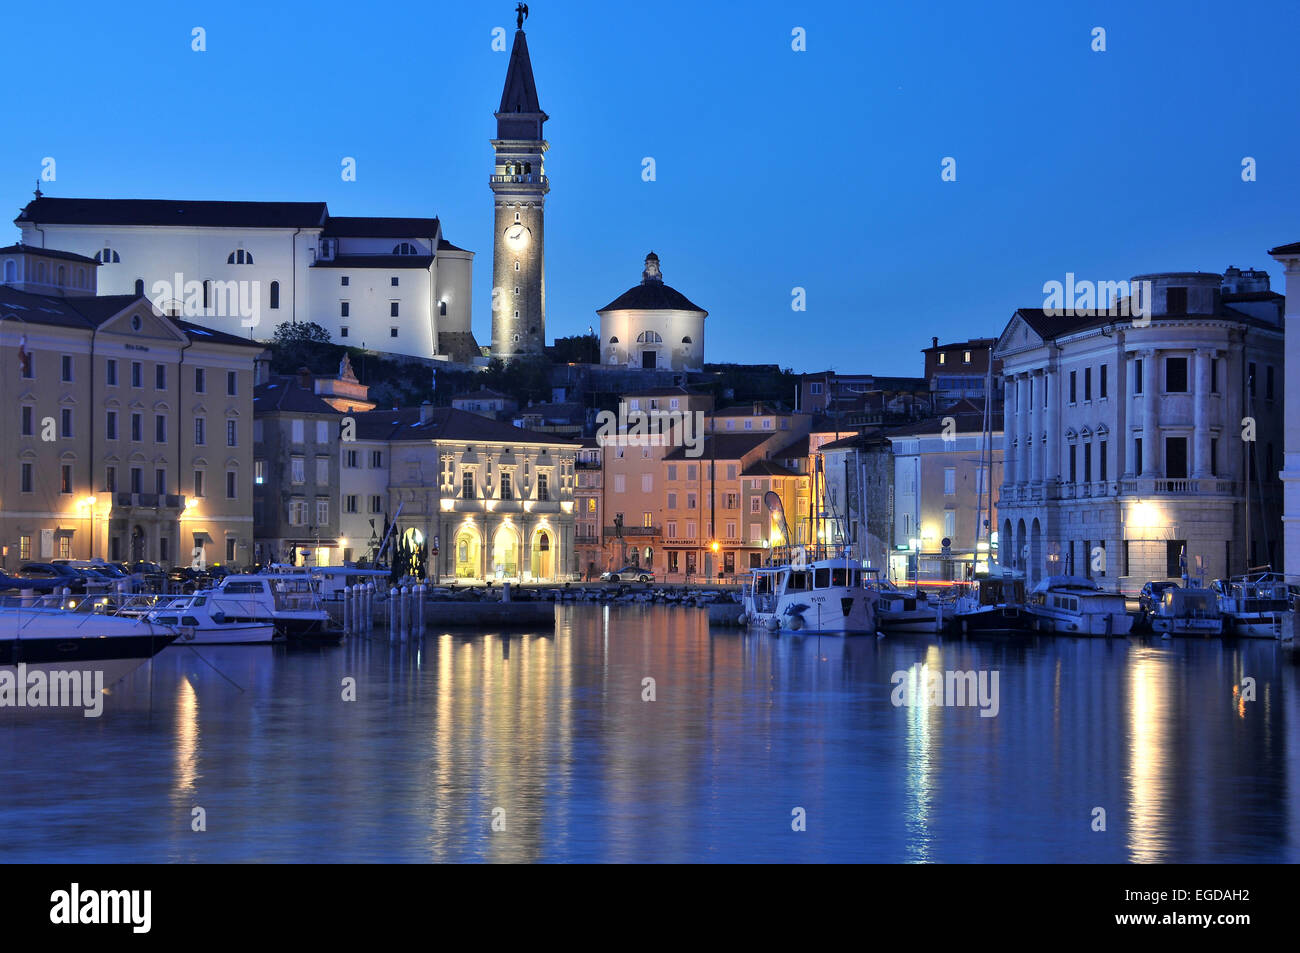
{"x": 131, "y": 430}
{"x": 1289, "y": 256}
{"x": 1128, "y": 439}
{"x": 941, "y": 493}
{"x": 653, "y": 326}
{"x": 859, "y": 475}
{"x": 855, "y": 401}
{"x": 589, "y": 500}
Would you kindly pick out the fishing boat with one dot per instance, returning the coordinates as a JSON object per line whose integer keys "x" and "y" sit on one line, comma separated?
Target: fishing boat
{"x": 1072, "y": 605}
{"x": 289, "y": 602}
{"x": 63, "y": 636}
{"x": 1187, "y": 612}
{"x": 205, "y": 618}
{"x": 817, "y": 587}
{"x": 1256, "y": 605}
{"x": 995, "y": 602}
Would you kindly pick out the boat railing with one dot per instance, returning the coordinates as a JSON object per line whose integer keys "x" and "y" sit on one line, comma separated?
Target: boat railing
{"x": 80, "y": 610}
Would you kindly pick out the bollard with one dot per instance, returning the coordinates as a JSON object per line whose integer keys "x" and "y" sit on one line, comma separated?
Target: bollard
{"x": 419, "y": 608}
{"x": 392, "y": 614}
{"x": 368, "y": 609}
{"x": 404, "y": 625}
{"x": 505, "y": 592}
{"x": 349, "y": 612}
{"x": 28, "y": 597}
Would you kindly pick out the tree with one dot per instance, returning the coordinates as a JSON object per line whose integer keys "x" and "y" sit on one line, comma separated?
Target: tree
{"x": 300, "y": 332}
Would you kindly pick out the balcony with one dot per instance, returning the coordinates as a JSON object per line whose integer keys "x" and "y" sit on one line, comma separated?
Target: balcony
{"x": 611, "y": 532}
{"x": 171, "y": 501}
{"x": 587, "y": 464}
{"x": 1209, "y": 486}
{"x": 522, "y": 178}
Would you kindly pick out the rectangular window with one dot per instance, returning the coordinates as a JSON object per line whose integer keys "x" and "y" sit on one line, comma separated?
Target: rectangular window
{"x": 543, "y": 487}
{"x": 232, "y": 383}
{"x": 507, "y": 491}
{"x": 1101, "y": 382}
{"x": 343, "y": 281}
{"x": 1137, "y": 455}
{"x": 26, "y": 471}
{"x": 322, "y": 431}
{"x": 392, "y": 332}
{"x": 297, "y": 470}
{"x": 1087, "y": 383}
{"x": 160, "y": 428}
{"x": 1214, "y": 456}
{"x": 690, "y": 501}
{"x": 198, "y": 483}
{"x": 322, "y": 512}
{"x": 350, "y": 459}
{"x": 344, "y": 310}
{"x": 376, "y": 459}
{"x": 24, "y": 547}
{"x": 1137, "y": 375}
{"x": 65, "y": 423}
{"x": 160, "y": 481}
{"x": 259, "y": 472}
{"x": 200, "y": 431}
{"x": 672, "y": 501}
{"x": 1073, "y": 458}
{"x": 376, "y": 504}
{"x": 65, "y": 478}
{"x": 392, "y": 309}
{"x": 110, "y": 373}
{"x": 65, "y": 547}
{"x": 232, "y": 433}
{"x": 26, "y": 420}
{"x": 1087, "y": 463}
{"x": 949, "y": 481}
{"x": 1175, "y": 300}
{"x": 65, "y": 369}
{"x": 647, "y": 483}
{"x": 296, "y": 431}
{"x": 322, "y": 471}
{"x": 467, "y": 485}
{"x": 160, "y": 377}
{"x": 232, "y": 487}
{"x": 137, "y": 480}
{"x": 1073, "y": 391}
{"x": 110, "y": 425}
{"x": 137, "y": 374}
{"x": 350, "y": 503}
{"x": 395, "y": 282}
{"x": 200, "y": 381}
{"x": 1175, "y": 375}
{"x": 755, "y": 504}
{"x": 672, "y": 472}
{"x": 1176, "y": 458}
{"x": 110, "y": 479}
{"x": 1214, "y": 375}
{"x": 1101, "y": 460}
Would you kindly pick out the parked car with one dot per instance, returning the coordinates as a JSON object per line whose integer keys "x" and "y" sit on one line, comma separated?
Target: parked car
{"x": 1150, "y": 596}
{"x": 188, "y": 579}
{"x": 47, "y": 577}
{"x": 628, "y": 574}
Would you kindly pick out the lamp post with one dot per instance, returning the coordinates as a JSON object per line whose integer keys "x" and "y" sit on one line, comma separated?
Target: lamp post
{"x": 89, "y": 504}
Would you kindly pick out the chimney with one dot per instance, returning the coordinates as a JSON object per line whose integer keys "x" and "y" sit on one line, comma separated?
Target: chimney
{"x": 426, "y": 412}
{"x": 934, "y": 342}
{"x": 304, "y": 378}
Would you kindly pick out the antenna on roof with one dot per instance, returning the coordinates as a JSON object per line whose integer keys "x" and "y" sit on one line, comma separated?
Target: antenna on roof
{"x": 38, "y": 188}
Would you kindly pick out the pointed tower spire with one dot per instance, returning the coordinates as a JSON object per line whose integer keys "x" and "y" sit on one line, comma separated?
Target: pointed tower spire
{"x": 520, "y": 115}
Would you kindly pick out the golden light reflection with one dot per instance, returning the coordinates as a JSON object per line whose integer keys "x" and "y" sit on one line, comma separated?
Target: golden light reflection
{"x": 1149, "y": 691}
{"x": 922, "y": 725}
{"x": 187, "y": 740}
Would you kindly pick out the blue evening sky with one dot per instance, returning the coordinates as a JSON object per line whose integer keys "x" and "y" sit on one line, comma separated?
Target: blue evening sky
{"x": 775, "y": 169}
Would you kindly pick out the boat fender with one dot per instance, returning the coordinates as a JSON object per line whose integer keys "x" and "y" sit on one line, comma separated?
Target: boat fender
{"x": 796, "y": 622}
{"x": 743, "y": 620}
{"x": 218, "y": 616}
{"x": 772, "y": 624}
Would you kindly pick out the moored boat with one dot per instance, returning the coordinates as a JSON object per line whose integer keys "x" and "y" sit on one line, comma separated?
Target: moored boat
{"x": 1255, "y": 605}
{"x": 994, "y": 603}
{"x": 289, "y": 602}
{"x": 825, "y": 596}
{"x": 204, "y": 618}
{"x": 1072, "y": 605}
{"x": 1187, "y": 612}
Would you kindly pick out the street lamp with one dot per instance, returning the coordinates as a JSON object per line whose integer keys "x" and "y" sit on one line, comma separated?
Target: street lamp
{"x": 89, "y": 504}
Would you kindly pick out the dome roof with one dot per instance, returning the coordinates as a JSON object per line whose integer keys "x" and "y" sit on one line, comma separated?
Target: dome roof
{"x": 651, "y": 294}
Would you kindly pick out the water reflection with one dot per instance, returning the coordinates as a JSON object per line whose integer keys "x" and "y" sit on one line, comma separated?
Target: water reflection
{"x": 551, "y": 736}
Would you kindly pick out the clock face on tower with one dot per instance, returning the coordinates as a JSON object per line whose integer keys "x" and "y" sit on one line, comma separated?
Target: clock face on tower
{"x": 517, "y": 236}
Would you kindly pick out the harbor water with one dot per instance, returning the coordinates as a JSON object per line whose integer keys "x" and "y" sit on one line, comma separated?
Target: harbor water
{"x": 639, "y": 734}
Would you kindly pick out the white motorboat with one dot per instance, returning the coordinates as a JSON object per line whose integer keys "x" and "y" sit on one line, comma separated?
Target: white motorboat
{"x": 205, "y": 618}
{"x": 1072, "y": 605}
{"x": 1256, "y": 605}
{"x": 825, "y": 597}
{"x": 1187, "y": 612}
{"x": 906, "y": 610}
{"x": 65, "y": 636}
{"x": 290, "y": 602}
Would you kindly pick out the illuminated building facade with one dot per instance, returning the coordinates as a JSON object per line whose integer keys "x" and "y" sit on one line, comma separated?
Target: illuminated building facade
{"x": 1127, "y": 441}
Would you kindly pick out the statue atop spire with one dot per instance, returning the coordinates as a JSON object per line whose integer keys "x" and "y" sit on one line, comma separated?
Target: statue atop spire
{"x": 521, "y": 14}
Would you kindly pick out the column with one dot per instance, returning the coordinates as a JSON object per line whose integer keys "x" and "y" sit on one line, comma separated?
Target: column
{"x": 1009, "y": 431}
{"x": 1022, "y": 430}
{"x": 1036, "y": 427}
{"x": 1052, "y": 452}
{"x": 1150, "y": 436}
{"x": 1201, "y": 414}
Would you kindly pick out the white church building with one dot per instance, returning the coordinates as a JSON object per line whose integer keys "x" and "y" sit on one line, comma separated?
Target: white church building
{"x": 652, "y": 325}
{"x": 387, "y": 284}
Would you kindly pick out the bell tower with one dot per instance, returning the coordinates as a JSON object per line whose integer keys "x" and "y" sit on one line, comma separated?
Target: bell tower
{"x": 519, "y": 187}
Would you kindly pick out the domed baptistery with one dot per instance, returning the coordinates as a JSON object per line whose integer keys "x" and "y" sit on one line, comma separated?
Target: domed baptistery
{"x": 652, "y": 326}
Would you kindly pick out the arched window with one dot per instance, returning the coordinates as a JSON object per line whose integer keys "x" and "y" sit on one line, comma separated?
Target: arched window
{"x": 613, "y": 340}
{"x": 405, "y": 248}
{"x": 442, "y": 308}
{"x": 687, "y": 340}
{"x": 275, "y": 295}
{"x": 106, "y": 256}
{"x": 139, "y": 286}
{"x": 649, "y": 337}
{"x": 11, "y": 270}
{"x": 239, "y": 257}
